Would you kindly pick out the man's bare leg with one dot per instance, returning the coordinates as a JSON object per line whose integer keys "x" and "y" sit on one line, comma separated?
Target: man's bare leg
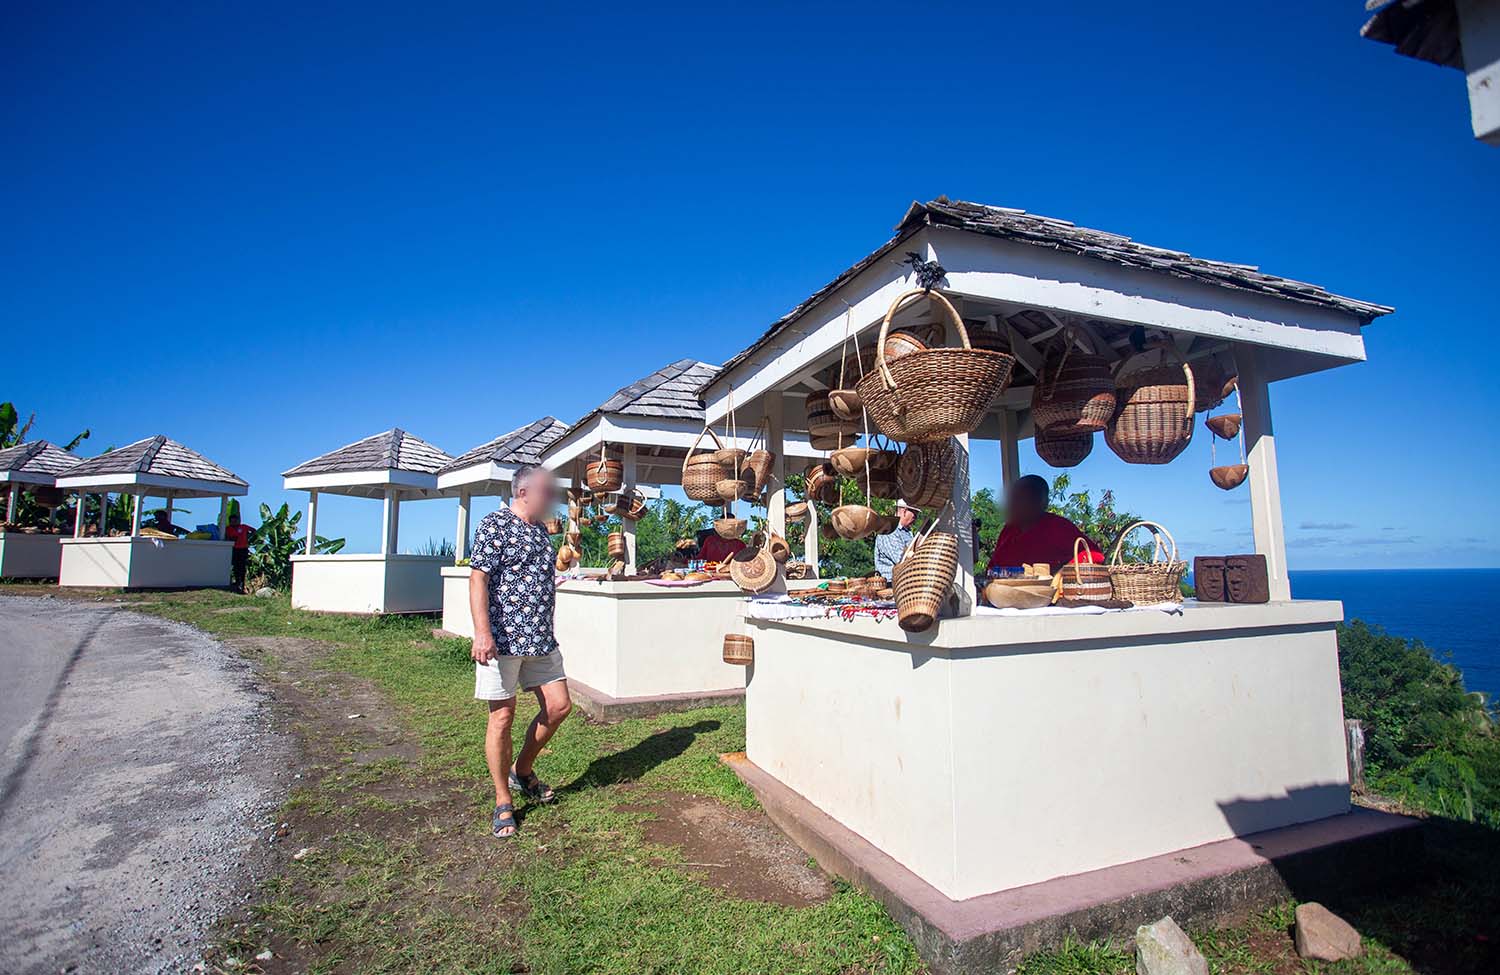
{"x": 497, "y": 747}
{"x": 554, "y": 705}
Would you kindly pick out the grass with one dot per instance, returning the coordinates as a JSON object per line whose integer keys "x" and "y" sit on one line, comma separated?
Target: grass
{"x": 582, "y": 890}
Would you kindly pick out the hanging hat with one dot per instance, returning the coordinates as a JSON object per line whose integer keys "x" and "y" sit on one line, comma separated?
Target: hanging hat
{"x": 901, "y": 503}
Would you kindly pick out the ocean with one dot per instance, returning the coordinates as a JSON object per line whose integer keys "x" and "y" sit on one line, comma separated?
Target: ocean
{"x": 1453, "y": 611}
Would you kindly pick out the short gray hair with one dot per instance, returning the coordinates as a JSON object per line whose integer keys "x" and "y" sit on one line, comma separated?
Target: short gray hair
{"x": 524, "y": 474}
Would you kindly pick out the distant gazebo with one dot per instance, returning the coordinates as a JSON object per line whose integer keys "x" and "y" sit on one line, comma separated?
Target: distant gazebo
{"x": 157, "y": 467}
{"x": 393, "y": 466}
{"x": 34, "y": 553}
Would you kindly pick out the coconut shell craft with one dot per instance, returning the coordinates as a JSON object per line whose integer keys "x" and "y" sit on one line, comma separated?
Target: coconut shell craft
{"x": 796, "y": 511}
{"x": 855, "y": 521}
{"x": 729, "y": 526}
{"x": 1229, "y": 476}
{"x": 1225, "y": 426}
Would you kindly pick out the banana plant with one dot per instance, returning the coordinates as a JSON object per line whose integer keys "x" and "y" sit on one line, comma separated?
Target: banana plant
{"x": 275, "y": 541}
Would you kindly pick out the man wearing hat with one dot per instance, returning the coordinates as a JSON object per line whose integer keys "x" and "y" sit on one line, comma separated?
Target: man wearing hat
{"x": 891, "y": 546}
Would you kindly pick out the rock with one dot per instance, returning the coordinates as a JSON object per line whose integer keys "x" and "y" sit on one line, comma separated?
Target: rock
{"x": 1324, "y": 936}
{"x": 265, "y": 591}
{"x": 1164, "y": 949}
{"x": 264, "y": 955}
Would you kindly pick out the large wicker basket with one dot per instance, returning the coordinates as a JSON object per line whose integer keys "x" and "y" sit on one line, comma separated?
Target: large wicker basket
{"x": 1075, "y": 392}
{"x": 1153, "y": 420}
{"x": 605, "y": 475}
{"x": 923, "y": 579}
{"x": 932, "y": 394}
{"x": 702, "y": 472}
{"x": 1085, "y": 581}
{"x": 1061, "y": 447}
{"x": 739, "y": 649}
{"x": 1148, "y": 583}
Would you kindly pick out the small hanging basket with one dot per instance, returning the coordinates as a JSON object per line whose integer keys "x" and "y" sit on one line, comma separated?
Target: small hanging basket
{"x": 1153, "y": 420}
{"x": 739, "y": 649}
{"x": 796, "y": 511}
{"x": 605, "y": 475}
{"x": 616, "y": 543}
{"x": 822, "y": 421}
{"x": 1062, "y": 447}
{"x": 754, "y": 569}
{"x": 932, "y": 394}
{"x": 923, "y": 578}
{"x": 729, "y": 526}
{"x": 1225, "y": 426}
{"x": 702, "y": 472}
{"x": 1075, "y": 391}
{"x": 855, "y": 521}
{"x": 822, "y": 484}
{"x": 630, "y": 505}
{"x": 732, "y": 489}
{"x": 1229, "y": 476}
{"x": 1148, "y": 583}
{"x": 1085, "y": 581}
{"x": 925, "y": 473}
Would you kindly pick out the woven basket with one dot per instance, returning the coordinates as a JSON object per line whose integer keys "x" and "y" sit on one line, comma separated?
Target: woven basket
{"x": 757, "y": 469}
{"x": 1148, "y": 583}
{"x": 733, "y": 489}
{"x": 739, "y": 649}
{"x": 1210, "y": 384}
{"x": 934, "y": 393}
{"x": 822, "y": 484}
{"x": 630, "y": 505}
{"x": 855, "y": 521}
{"x": 616, "y": 545}
{"x": 822, "y": 421}
{"x": 846, "y": 404}
{"x": 925, "y": 473}
{"x": 1225, "y": 425}
{"x": 1076, "y": 392}
{"x": 729, "y": 527}
{"x": 1062, "y": 447}
{"x": 605, "y": 475}
{"x": 701, "y": 473}
{"x": 1086, "y": 582}
{"x": 796, "y": 511}
{"x": 923, "y": 578}
{"x": 1153, "y": 420}
{"x": 754, "y": 570}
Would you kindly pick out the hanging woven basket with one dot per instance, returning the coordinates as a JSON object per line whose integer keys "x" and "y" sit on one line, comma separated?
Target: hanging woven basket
{"x": 1212, "y": 384}
{"x": 1153, "y": 420}
{"x": 1063, "y": 448}
{"x": 630, "y": 505}
{"x": 1148, "y": 583}
{"x": 553, "y": 526}
{"x": 925, "y": 473}
{"x": 796, "y": 511}
{"x": 1085, "y": 581}
{"x": 932, "y": 394}
{"x": 702, "y": 472}
{"x": 1225, "y": 426}
{"x": 616, "y": 545}
{"x": 605, "y": 475}
{"x": 739, "y": 649}
{"x": 822, "y": 421}
{"x": 923, "y": 579}
{"x": 1075, "y": 391}
{"x": 822, "y": 484}
{"x": 855, "y": 521}
{"x": 753, "y": 569}
{"x": 1229, "y": 476}
{"x": 729, "y": 526}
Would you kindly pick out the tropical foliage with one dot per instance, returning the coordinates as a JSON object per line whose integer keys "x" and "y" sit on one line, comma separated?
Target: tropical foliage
{"x": 275, "y": 541}
{"x": 13, "y": 431}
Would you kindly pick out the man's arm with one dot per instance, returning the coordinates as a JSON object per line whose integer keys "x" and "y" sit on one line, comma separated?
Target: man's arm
{"x": 479, "y": 609}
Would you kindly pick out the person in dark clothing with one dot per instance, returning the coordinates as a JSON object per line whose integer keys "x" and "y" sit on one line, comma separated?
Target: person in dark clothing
{"x": 239, "y": 557}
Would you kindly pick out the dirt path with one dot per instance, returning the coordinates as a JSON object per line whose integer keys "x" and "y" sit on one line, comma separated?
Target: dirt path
{"x": 139, "y": 777}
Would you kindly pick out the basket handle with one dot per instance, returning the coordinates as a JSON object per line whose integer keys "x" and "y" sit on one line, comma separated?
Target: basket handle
{"x": 1080, "y": 540}
{"x": 1050, "y": 391}
{"x": 1156, "y": 530}
{"x": 717, "y": 442}
{"x": 885, "y": 328}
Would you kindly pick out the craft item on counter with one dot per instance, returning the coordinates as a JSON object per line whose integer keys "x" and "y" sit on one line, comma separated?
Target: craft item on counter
{"x": 1083, "y": 580}
{"x": 1208, "y": 579}
{"x": 1006, "y": 594}
{"x": 1148, "y": 583}
{"x": 1247, "y": 579}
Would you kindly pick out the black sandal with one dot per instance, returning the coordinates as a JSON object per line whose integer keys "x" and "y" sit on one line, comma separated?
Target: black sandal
{"x": 532, "y": 787}
{"x": 504, "y": 817}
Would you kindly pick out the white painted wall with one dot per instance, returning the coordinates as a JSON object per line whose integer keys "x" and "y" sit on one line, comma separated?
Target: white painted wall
{"x": 1025, "y": 749}
{"x": 368, "y": 583}
{"x": 27, "y": 556}
{"x": 456, "y": 617}
{"x": 144, "y": 563}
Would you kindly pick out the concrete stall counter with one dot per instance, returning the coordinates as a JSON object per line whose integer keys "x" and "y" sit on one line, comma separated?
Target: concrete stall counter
{"x": 27, "y": 555}
{"x": 368, "y": 583}
{"x": 139, "y": 562}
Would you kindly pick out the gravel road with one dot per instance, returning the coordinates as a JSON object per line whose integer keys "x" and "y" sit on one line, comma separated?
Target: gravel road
{"x": 140, "y": 775}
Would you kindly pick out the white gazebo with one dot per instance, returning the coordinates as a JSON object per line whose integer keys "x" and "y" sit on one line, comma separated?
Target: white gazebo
{"x": 487, "y": 470}
{"x": 30, "y": 553}
{"x": 155, "y": 467}
{"x": 392, "y": 467}
{"x": 997, "y": 770}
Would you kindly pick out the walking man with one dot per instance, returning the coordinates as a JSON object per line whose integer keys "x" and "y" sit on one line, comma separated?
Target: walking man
{"x": 511, "y": 596}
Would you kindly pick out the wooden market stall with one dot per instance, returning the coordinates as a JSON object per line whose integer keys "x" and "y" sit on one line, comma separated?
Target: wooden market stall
{"x": 393, "y": 467}
{"x": 486, "y": 470}
{"x": 971, "y": 773}
{"x": 32, "y": 551}
{"x": 632, "y": 646}
{"x": 143, "y": 559}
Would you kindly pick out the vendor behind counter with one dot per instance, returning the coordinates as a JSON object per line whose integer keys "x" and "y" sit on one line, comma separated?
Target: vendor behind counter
{"x": 1034, "y": 534}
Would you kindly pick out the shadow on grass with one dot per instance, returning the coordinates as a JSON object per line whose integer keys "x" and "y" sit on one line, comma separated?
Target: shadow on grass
{"x": 640, "y": 758}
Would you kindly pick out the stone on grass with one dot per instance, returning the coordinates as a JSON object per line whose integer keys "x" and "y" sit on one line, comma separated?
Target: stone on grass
{"x": 1324, "y": 936}
{"x": 1164, "y": 949}
{"x": 265, "y": 591}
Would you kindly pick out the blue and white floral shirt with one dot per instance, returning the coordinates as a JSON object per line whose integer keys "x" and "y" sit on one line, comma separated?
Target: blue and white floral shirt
{"x": 518, "y": 558}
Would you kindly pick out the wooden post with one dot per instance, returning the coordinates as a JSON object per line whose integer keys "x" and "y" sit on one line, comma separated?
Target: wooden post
{"x": 312, "y": 522}
{"x": 395, "y": 523}
{"x": 104, "y": 514}
{"x": 1354, "y": 745}
{"x": 135, "y": 514}
{"x": 1010, "y": 449}
{"x": 83, "y": 506}
{"x": 1265, "y": 482}
{"x": 626, "y": 525}
{"x": 387, "y": 524}
{"x": 776, "y": 444}
{"x": 461, "y": 530}
{"x": 962, "y": 526}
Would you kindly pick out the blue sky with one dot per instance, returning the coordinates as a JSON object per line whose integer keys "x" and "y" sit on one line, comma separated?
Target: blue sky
{"x": 270, "y": 231}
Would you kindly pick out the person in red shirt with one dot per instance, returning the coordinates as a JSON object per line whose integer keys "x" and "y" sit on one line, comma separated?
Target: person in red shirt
{"x": 1034, "y": 534}
{"x": 716, "y": 549}
{"x": 240, "y": 555}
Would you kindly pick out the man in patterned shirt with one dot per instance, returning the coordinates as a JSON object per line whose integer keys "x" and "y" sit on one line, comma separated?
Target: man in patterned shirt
{"x": 512, "y": 593}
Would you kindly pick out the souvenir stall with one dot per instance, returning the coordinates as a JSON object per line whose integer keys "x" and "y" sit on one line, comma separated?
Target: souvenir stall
{"x": 485, "y": 471}
{"x": 628, "y": 634}
{"x": 1059, "y": 739}
{"x": 392, "y": 467}
{"x": 32, "y": 550}
{"x": 145, "y": 557}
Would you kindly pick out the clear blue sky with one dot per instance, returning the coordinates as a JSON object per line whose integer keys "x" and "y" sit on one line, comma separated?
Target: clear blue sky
{"x": 271, "y": 230}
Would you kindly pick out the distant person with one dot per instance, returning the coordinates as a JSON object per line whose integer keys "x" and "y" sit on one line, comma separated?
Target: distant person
{"x": 239, "y": 556}
{"x": 512, "y": 595}
{"x": 161, "y": 520}
{"x": 1034, "y": 534}
{"x": 712, "y": 547}
{"x": 890, "y": 547}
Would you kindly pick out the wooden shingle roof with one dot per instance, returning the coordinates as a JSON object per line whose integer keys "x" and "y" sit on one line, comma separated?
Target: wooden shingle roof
{"x": 520, "y": 446}
{"x": 158, "y": 456}
{"x": 670, "y": 392}
{"x": 38, "y": 457}
{"x": 394, "y": 450}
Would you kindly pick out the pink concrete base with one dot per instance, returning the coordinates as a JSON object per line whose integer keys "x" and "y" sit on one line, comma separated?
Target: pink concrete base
{"x": 994, "y": 932}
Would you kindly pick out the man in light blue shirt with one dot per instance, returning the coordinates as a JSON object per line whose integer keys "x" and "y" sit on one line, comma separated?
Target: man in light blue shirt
{"x": 891, "y": 546}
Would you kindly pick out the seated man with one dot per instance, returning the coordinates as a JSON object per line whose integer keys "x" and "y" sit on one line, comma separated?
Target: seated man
{"x": 1034, "y": 534}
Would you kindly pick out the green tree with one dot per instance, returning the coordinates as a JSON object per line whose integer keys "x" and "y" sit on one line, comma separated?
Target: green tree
{"x": 13, "y": 431}
{"x": 275, "y": 541}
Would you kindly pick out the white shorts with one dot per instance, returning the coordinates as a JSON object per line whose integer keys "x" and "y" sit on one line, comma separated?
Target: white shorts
{"x": 503, "y": 677}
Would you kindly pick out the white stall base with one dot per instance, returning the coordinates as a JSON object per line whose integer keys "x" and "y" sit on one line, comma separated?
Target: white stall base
{"x": 24, "y": 555}
{"x": 996, "y": 752}
{"x": 127, "y": 562}
{"x": 456, "y": 617}
{"x": 368, "y": 584}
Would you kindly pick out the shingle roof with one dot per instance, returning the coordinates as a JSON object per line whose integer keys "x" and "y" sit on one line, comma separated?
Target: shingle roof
{"x": 392, "y": 450}
{"x": 521, "y": 446}
{"x": 1427, "y": 30}
{"x": 36, "y": 457}
{"x": 670, "y": 393}
{"x": 1030, "y": 228}
{"x": 157, "y": 455}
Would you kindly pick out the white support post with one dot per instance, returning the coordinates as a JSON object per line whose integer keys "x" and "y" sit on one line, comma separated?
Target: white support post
{"x": 135, "y": 514}
{"x": 10, "y": 504}
{"x": 166, "y": 500}
{"x": 1265, "y": 482}
{"x": 312, "y": 522}
{"x": 1010, "y": 449}
{"x": 83, "y": 506}
{"x": 628, "y": 465}
{"x": 962, "y": 526}
{"x": 387, "y": 521}
{"x": 461, "y": 530}
{"x": 775, "y": 424}
{"x": 395, "y": 523}
{"x": 810, "y": 540}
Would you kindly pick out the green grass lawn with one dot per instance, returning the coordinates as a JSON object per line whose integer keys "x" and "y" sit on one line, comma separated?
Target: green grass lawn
{"x": 583, "y": 890}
